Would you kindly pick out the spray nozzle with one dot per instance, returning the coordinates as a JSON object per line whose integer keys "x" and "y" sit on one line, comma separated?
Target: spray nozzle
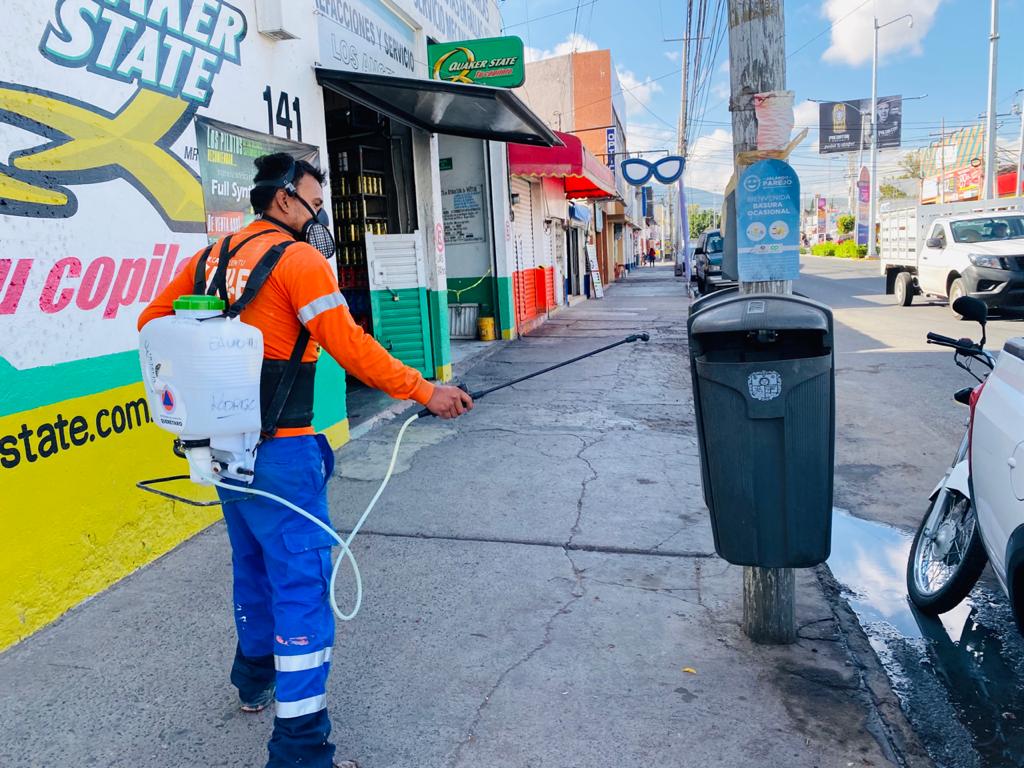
{"x": 638, "y": 337}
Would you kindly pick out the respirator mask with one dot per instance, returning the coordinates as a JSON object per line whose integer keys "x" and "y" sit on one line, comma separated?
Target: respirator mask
{"x": 316, "y": 231}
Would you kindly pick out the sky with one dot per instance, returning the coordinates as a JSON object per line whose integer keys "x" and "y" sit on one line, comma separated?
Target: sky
{"x": 943, "y": 57}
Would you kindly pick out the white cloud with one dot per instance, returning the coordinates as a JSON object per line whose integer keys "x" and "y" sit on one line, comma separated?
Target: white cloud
{"x": 854, "y": 29}
{"x": 672, "y": 55}
{"x": 574, "y": 43}
{"x": 710, "y": 161}
{"x": 805, "y": 115}
{"x": 636, "y": 92}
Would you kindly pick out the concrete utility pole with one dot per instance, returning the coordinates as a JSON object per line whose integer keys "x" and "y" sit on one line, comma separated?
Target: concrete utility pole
{"x": 991, "y": 168}
{"x": 757, "y": 64}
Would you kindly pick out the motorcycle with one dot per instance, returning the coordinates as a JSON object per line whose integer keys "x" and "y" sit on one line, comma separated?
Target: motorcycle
{"x": 970, "y": 523}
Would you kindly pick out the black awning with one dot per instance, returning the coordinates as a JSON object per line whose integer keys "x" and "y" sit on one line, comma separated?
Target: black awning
{"x": 474, "y": 111}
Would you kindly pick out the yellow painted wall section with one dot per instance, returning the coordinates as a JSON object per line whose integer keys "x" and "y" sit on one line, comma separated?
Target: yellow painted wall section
{"x": 73, "y": 521}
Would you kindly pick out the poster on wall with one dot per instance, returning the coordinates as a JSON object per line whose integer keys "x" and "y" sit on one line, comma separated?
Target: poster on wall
{"x": 768, "y": 222}
{"x": 463, "y": 212}
{"x": 226, "y": 155}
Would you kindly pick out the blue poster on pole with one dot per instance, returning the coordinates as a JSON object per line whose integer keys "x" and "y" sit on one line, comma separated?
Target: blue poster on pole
{"x": 768, "y": 222}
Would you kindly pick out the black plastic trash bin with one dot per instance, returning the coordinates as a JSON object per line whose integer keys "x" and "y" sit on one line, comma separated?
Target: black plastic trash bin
{"x": 764, "y": 393}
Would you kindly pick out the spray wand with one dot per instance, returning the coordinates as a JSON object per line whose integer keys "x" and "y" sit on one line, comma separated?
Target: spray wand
{"x": 346, "y": 543}
{"x": 484, "y": 392}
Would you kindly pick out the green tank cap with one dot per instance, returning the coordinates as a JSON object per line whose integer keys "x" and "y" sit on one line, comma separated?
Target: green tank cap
{"x": 200, "y": 302}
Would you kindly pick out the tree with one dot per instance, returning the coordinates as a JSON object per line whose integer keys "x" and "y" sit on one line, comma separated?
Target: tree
{"x": 845, "y": 223}
{"x": 912, "y": 164}
{"x": 891, "y": 192}
{"x": 700, "y": 219}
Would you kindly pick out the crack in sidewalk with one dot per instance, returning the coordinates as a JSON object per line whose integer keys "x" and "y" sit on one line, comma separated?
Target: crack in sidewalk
{"x": 478, "y": 715}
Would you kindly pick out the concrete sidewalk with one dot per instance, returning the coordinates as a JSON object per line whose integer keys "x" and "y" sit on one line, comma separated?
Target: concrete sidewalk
{"x": 541, "y": 590}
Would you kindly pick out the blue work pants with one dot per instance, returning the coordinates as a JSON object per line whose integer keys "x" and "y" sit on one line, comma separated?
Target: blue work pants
{"x": 282, "y": 570}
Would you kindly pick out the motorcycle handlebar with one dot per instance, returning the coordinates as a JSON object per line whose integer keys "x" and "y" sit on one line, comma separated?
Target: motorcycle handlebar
{"x": 938, "y": 338}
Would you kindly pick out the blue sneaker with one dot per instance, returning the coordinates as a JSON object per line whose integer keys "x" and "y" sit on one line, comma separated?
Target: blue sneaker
{"x": 261, "y": 702}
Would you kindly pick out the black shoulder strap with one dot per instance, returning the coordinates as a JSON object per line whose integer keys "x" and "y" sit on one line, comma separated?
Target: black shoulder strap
{"x": 258, "y": 276}
{"x": 218, "y": 284}
{"x": 284, "y": 386}
{"x": 199, "y": 279}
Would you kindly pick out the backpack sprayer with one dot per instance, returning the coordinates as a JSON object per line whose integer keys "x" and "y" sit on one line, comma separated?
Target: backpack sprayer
{"x": 201, "y": 371}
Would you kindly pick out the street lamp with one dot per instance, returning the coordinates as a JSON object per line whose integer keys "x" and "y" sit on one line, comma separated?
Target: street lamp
{"x": 873, "y": 210}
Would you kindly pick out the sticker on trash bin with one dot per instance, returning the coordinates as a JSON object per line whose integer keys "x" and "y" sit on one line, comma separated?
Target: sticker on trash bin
{"x": 764, "y": 385}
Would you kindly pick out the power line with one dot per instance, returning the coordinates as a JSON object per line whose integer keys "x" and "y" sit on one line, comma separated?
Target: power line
{"x": 562, "y": 12}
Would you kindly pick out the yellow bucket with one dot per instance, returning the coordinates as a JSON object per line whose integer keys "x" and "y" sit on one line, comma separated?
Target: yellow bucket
{"x": 485, "y": 328}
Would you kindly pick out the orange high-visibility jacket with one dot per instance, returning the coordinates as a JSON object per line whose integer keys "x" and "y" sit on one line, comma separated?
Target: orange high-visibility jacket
{"x": 302, "y": 290}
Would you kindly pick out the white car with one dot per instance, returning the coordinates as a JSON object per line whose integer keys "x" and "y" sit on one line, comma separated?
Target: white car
{"x": 997, "y": 470}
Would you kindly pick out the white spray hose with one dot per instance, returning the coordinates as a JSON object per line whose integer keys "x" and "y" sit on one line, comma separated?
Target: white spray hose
{"x": 346, "y": 543}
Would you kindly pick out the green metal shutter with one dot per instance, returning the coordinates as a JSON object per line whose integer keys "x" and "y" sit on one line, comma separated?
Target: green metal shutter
{"x": 398, "y": 299}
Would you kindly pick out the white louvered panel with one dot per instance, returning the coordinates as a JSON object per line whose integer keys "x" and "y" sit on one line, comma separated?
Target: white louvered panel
{"x": 395, "y": 261}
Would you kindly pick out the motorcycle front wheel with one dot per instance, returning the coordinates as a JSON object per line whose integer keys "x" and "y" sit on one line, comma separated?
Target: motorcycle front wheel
{"x": 947, "y": 556}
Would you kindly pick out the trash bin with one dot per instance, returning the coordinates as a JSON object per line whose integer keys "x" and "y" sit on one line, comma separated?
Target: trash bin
{"x": 764, "y": 394}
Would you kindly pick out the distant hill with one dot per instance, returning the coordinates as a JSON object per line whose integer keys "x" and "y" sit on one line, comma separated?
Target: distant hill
{"x": 703, "y": 198}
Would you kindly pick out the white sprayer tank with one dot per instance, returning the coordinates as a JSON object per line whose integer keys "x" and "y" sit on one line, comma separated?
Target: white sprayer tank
{"x": 202, "y": 377}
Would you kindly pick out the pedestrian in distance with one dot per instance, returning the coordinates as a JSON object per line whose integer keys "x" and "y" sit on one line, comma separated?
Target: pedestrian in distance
{"x": 650, "y": 256}
{"x": 281, "y": 561}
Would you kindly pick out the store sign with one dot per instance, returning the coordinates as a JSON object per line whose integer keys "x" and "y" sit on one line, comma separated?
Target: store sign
{"x": 463, "y": 213}
{"x": 495, "y": 61}
{"x": 610, "y": 147}
{"x": 768, "y": 222}
{"x": 364, "y": 36}
{"x": 957, "y": 185}
{"x": 845, "y": 126}
{"x": 226, "y": 155}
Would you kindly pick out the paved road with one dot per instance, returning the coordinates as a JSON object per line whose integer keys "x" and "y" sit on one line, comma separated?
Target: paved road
{"x": 541, "y": 591}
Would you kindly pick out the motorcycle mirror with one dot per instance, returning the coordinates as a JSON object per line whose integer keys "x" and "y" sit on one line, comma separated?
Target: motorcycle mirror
{"x": 971, "y": 308}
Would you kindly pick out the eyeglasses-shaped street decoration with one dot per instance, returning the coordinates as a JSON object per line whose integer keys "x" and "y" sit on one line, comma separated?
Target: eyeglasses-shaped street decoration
{"x": 638, "y": 171}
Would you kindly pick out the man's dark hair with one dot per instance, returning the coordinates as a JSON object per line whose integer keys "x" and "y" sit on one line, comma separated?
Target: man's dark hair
{"x": 275, "y": 166}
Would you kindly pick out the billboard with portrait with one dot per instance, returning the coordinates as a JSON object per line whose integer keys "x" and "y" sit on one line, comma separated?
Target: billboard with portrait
{"x": 845, "y": 126}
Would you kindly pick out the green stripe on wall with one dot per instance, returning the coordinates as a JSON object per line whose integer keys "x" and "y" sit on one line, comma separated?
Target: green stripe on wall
{"x": 39, "y": 387}
{"x": 506, "y": 316}
{"x": 49, "y": 384}
{"x": 440, "y": 335}
{"x": 329, "y": 394}
{"x": 482, "y": 294}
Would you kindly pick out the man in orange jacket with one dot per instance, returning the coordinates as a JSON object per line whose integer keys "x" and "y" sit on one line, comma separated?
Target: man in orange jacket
{"x": 281, "y": 561}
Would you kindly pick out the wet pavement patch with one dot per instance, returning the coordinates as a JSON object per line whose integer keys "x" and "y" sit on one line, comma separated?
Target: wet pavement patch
{"x": 959, "y": 677}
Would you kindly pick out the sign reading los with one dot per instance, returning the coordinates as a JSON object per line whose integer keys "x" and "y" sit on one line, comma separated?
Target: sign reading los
{"x": 496, "y": 61}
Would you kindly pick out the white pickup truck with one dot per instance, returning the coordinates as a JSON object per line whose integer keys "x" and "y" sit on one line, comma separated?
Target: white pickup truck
{"x": 952, "y": 250}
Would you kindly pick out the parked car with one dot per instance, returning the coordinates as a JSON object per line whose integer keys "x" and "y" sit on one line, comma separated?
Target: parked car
{"x": 708, "y": 262}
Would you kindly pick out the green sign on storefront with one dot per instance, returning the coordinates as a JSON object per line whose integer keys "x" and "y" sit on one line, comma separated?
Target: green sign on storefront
{"x": 496, "y": 61}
